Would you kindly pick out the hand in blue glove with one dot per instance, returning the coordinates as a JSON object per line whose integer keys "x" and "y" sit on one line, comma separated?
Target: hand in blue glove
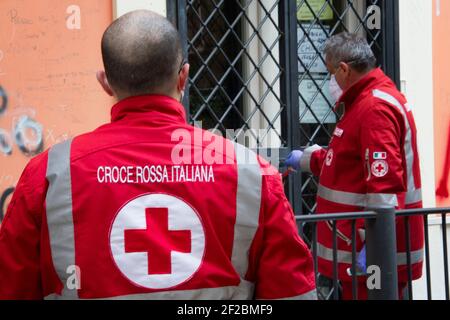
{"x": 361, "y": 260}
{"x": 293, "y": 159}
{"x": 360, "y": 268}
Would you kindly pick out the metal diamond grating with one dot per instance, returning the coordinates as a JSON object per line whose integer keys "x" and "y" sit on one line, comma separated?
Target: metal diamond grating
{"x": 224, "y": 70}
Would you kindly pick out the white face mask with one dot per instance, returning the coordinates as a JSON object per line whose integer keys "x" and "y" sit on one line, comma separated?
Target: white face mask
{"x": 335, "y": 89}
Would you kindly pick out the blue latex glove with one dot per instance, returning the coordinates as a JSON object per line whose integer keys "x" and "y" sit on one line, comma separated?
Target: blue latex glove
{"x": 361, "y": 260}
{"x": 293, "y": 159}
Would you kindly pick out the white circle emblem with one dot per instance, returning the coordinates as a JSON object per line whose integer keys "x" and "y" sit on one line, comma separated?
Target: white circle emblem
{"x": 157, "y": 241}
{"x": 380, "y": 168}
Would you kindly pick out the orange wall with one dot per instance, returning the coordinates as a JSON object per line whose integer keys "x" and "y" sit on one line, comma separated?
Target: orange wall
{"x": 441, "y": 79}
{"x": 48, "y": 72}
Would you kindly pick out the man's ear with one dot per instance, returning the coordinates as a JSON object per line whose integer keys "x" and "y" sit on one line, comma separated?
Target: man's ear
{"x": 101, "y": 78}
{"x": 344, "y": 67}
{"x": 183, "y": 78}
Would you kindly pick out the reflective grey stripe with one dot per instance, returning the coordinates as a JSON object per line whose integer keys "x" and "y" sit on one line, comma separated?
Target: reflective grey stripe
{"x": 311, "y": 295}
{"x": 416, "y": 257}
{"x": 59, "y": 213}
{"x": 242, "y": 292}
{"x": 327, "y": 254}
{"x": 409, "y": 154}
{"x": 346, "y": 256}
{"x": 248, "y": 203}
{"x": 342, "y": 197}
{"x": 381, "y": 200}
{"x": 413, "y": 196}
{"x": 305, "y": 161}
{"x": 357, "y": 199}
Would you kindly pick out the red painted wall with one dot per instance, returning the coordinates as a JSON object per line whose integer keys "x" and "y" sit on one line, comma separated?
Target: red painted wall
{"x": 48, "y": 72}
{"x": 441, "y": 79}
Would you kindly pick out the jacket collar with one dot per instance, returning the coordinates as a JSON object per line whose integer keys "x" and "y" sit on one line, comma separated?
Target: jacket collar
{"x": 158, "y": 106}
{"x": 369, "y": 81}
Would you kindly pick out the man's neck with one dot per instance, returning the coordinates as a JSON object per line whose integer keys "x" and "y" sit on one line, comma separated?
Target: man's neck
{"x": 358, "y": 77}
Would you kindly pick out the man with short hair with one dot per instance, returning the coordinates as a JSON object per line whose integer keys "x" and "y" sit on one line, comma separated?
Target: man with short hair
{"x": 137, "y": 210}
{"x": 371, "y": 162}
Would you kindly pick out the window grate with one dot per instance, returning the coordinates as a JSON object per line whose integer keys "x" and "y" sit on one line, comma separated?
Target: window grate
{"x": 230, "y": 87}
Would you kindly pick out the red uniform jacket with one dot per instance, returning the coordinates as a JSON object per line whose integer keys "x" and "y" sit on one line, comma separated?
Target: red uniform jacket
{"x": 114, "y": 214}
{"x": 371, "y": 162}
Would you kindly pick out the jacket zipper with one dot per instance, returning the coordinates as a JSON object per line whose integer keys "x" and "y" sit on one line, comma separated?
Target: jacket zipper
{"x": 368, "y": 164}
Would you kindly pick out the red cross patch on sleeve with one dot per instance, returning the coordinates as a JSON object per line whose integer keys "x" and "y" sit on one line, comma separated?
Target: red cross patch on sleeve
{"x": 380, "y": 168}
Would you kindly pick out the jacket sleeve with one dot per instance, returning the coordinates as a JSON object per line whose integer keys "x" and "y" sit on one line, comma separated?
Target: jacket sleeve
{"x": 282, "y": 263}
{"x": 382, "y": 141}
{"x": 312, "y": 159}
{"x": 20, "y": 275}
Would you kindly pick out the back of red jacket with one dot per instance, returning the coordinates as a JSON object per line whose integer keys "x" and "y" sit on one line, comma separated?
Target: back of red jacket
{"x": 148, "y": 207}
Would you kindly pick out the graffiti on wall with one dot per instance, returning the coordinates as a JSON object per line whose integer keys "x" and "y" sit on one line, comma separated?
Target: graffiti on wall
{"x": 26, "y": 133}
{"x": 48, "y": 88}
{"x": 4, "y": 201}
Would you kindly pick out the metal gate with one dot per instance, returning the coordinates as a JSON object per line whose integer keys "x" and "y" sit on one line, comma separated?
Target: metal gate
{"x": 382, "y": 252}
{"x": 257, "y": 68}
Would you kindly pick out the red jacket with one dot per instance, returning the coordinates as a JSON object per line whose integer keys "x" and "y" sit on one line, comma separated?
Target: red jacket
{"x": 371, "y": 162}
{"x": 110, "y": 214}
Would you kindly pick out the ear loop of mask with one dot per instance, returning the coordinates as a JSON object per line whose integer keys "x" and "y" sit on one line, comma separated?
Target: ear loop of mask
{"x": 183, "y": 63}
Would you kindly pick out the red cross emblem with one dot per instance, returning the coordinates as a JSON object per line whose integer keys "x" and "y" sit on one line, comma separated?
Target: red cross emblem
{"x": 380, "y": 168}
{"x": 158, "y": 241}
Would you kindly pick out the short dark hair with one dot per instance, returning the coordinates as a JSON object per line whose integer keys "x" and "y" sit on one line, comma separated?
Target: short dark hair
{"x": 350, "y": 48}
{"x": 141, "y": 53}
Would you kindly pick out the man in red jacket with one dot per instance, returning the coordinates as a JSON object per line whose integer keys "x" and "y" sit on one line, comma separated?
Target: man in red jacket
{"x": 371, "y": 162}
{"x": 137, "y": 209}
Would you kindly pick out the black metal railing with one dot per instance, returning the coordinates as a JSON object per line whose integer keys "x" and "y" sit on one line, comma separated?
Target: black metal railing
{"x": 381, "y": 249}
{"x": 442, "y": 212}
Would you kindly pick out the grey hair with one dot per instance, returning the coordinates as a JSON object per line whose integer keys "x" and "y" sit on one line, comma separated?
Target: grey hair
{"x": 350, "y": 48}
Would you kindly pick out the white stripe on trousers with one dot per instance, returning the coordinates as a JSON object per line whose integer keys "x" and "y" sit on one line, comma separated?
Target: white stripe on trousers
{"x": 346, "y": 256}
